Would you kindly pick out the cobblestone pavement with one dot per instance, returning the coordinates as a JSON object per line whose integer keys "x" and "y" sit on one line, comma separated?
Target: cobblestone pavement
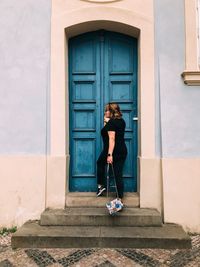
{"x": 96, "y": 257}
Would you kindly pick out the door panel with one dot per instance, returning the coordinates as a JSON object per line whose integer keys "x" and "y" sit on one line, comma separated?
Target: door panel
{"x": 102, "y": 68}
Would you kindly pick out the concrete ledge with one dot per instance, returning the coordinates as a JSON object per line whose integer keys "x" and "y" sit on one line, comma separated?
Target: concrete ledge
{"x": 32, "y": 235}
{"x": 191, "y": 77}
{"x": 96, "y": 216}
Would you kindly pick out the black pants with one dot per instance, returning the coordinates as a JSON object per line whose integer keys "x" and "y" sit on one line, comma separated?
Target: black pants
{"x": 118, "y": 164}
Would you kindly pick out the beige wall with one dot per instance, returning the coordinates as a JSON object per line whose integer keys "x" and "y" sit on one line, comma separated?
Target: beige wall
{"x": 23, "y": 182}
{"x": 181, "y": 183}
{"x": 22, "y": 189}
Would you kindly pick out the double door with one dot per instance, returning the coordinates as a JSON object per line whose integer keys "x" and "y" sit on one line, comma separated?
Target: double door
{"x": 102, "y": 69}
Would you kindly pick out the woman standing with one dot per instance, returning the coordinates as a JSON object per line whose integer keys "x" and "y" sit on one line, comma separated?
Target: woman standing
{"x": 114, "y": 150}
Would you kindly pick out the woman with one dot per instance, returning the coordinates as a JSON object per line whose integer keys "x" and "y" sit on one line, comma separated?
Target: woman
{"x": 114, "y": 150}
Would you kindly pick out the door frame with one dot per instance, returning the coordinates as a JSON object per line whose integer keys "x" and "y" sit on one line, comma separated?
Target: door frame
{"x": 67, "y": 23}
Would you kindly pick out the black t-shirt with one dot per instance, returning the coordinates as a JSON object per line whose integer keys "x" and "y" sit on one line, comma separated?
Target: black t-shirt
{"x": 117, "y": 125}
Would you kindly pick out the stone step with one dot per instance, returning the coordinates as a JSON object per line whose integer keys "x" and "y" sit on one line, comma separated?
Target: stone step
{"x": 33, "y": 235}
{"x": 89, "y": 199}
{"x": 100, "y": 217}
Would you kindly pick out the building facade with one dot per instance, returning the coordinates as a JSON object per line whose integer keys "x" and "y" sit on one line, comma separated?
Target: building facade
{"x": 61, "y": 62}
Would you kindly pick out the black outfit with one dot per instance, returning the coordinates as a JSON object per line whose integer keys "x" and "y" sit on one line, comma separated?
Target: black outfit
{"x": 119, "y": 153}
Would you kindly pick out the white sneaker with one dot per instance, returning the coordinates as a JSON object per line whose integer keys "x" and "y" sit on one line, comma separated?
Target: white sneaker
{"x": 100, "y": 190}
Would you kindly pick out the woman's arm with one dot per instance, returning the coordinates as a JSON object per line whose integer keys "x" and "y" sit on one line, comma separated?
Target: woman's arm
{"x": 111, "y": 135}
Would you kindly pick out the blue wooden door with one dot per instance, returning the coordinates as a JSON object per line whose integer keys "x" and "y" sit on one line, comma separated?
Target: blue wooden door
{"x": 102, "y": 69}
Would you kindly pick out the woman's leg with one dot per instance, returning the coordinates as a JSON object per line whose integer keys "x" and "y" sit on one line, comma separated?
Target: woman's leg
{"x": 118, "y": 170}
{"x": 101, "y": 163}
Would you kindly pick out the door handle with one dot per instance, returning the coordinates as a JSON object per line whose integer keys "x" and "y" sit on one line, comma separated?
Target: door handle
{"x": 135, "y": 118}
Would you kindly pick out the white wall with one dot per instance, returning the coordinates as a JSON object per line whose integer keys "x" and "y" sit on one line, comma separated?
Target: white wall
{"x": 180, "y": 107}
{"x": 24, "y": 76}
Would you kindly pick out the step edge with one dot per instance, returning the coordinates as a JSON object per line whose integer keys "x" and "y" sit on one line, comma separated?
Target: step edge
{"x": 36, "y": 222}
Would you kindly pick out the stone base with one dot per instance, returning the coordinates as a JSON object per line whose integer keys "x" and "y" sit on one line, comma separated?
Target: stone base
{"x": 33, "y": 235}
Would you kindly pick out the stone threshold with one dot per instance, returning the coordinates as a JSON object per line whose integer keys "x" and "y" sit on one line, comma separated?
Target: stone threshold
{"x": 89, "y": 199}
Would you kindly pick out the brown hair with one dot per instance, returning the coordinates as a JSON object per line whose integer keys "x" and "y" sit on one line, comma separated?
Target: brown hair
{"x": 114, "y": 109}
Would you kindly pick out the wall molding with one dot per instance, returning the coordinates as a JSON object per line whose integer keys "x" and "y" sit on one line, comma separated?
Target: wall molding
{"x": 191, "y": 73}
{"x": 101, "y": 1}
{"x": 191, "y": 77}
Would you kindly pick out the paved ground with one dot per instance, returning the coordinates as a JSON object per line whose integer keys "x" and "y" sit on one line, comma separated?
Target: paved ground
{"x": 99, "y": 257}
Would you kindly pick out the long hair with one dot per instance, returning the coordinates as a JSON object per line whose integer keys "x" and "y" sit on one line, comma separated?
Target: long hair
{"x": 114, "y": 109}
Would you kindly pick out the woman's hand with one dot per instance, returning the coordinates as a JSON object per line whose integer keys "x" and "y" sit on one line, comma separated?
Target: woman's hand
{"x": 109, "y": 159}
{"x": 106, "y": 119}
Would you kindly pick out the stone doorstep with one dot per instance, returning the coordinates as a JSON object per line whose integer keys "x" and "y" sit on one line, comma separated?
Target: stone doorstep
{"x": 89, "y": 199}
{"x": 98, "y": 216}
{"x": 33, "y": 235}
